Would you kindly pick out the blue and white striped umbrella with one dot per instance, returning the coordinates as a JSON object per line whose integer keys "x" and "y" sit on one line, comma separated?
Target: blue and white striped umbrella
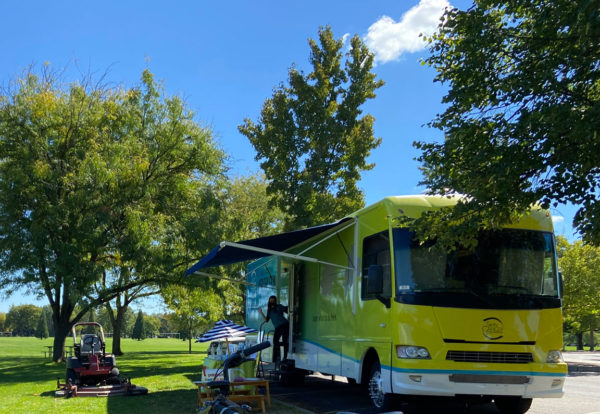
{"x": 225, "y": 329}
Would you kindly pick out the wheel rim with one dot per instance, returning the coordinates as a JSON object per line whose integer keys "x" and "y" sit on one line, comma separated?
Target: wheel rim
{"x": 376, "y": 389}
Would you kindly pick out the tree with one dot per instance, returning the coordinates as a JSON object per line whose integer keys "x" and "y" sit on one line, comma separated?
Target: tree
{"x": 310, "y": 138}
{"x": 91, "y": 317}
{"x": 139, "y": 329}
{"x": 194, "y": 307}
{"x": 168, "y": 323}
{"x": 2, "y": 321}
{"x": 117, "y": 309}
{"x": 579, "y": 264}
{"x": 151, "y": 325}
{"x": 91, "y": 179}
{"x": 23, "y": 319}
{"x": 246, "y": 214}
{"x": 41, "y": 331}
{"x": 247, "y": 211}
{"x": 47, "y": 311}
{"x": 521, "y": 117}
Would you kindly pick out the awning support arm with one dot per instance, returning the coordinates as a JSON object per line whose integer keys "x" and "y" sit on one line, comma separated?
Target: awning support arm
{"x": 352, "y": 223}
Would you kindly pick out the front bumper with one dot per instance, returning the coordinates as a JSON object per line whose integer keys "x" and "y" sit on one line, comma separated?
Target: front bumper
{"x": 449, "y": 383}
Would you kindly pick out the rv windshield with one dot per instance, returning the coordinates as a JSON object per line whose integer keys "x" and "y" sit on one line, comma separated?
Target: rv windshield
{"x": 509, "y": 268}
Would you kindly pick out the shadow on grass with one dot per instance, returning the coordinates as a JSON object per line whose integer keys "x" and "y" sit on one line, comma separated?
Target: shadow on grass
{"x": 168, "y": 401}
{"x": 11, "y": 361}
{"x": 141, "y": 356}
{"x": 150, "y": 354}
{"x": 194, "y": 377}
{"x": 152, "y": 370}
{"x": 23, "y": 370}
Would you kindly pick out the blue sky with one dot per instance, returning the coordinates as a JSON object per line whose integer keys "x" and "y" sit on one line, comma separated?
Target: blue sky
{"x": 225, "y": 58}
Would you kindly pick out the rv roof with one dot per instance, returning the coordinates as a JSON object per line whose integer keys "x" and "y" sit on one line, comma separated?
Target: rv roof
{"x": 414, "y": 205}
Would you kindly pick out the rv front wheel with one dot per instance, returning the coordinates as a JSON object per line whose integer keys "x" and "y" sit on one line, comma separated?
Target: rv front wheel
{"x": 512, "y": 405}
{"x": 379, "y": 398}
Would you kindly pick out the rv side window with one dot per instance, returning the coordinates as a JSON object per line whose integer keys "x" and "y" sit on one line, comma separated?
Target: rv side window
{"x": 376, "y": 251}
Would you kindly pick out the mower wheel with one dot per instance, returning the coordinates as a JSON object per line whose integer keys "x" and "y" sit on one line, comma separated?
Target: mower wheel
{"x": 72, "y": 377}
{"x": 114, "y": 377}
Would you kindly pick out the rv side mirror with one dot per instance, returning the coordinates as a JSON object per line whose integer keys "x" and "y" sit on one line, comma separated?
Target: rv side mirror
{"x": 561, "y": 284}
{"x": 375, "y": 280}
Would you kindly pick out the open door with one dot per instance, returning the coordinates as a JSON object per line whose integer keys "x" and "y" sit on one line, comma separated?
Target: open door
{"x": 294, "y": 304}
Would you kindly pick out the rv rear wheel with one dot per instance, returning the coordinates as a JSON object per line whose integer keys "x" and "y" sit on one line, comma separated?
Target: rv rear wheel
{"x": 512, "y": 405}
{"x": 379, "y": 398}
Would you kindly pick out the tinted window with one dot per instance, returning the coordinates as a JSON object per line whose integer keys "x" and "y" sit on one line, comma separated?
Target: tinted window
{"x": 507, "y": 268}
{"x": 376, "y": 251}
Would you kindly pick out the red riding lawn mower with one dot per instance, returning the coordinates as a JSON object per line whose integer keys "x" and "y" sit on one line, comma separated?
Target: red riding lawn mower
{"x": 91, "y": 372}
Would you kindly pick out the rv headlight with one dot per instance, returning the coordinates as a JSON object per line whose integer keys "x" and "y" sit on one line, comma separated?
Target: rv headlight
{"x": 554, "y": 357}
{"x": 412, "y": 352}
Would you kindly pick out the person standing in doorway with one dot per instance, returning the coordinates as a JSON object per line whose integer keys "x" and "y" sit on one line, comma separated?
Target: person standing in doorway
{"x": 275, "y": 313}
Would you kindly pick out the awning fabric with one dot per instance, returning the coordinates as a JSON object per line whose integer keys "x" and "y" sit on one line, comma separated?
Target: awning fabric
{"x": 223, "y": 255}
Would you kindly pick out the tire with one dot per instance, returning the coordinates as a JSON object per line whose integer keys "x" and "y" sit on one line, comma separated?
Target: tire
{"x": 72, "y": 376}
{"x": 512, "y": 405}
{"x": 380, "y": 400}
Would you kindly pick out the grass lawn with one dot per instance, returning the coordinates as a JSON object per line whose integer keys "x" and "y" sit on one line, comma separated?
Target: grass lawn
{"x": 28, "y": 380}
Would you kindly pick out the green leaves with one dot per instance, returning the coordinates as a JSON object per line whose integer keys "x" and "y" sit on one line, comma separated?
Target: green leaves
{"x": 522, "y": 111}
{"x": 97, "y": 183}
{"x": 579, "y": 265}
{"x": 311, "y": 139}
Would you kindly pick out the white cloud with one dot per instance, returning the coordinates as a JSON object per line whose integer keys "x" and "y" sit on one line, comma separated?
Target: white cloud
{"x": 390, "y": 39}
{"x": 557, "y": 219}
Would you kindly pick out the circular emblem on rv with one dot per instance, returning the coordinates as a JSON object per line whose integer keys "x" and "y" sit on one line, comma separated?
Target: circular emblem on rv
{"x": 492, "y": 328}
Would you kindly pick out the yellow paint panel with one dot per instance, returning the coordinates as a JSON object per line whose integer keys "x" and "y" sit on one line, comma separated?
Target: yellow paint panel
{"x": 493, "y": 326}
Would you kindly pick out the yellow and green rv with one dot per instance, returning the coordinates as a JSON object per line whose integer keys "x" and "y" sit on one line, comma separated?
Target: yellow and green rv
{"x": 368, "y": 302}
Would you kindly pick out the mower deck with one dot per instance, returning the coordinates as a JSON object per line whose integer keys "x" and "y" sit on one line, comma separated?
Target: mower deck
{"x": 125, "y": 388}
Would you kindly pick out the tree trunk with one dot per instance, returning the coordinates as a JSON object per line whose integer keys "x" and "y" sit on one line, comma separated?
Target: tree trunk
{"x": 61, "y": 332}
{"x": 116, "y": 344}
{"x": 61, "y": 318}
{"x": 117, "y": 324}
{"x": 190, "y": 338}
{"x": 579, "y": 336}
{"x": 592, "y": 336}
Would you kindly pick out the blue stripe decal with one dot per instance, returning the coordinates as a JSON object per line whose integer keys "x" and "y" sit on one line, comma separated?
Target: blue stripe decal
{"x": 330, "y": 350}
{"x": 445, "y": 371}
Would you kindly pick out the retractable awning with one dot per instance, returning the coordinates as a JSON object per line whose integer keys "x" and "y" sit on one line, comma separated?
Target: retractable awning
{"x": 229, "y": 253}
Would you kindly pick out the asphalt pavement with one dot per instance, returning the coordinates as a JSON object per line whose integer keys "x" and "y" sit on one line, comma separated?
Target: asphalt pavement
{"x": 323, "y": 394}
{"x": 582, "y": 361}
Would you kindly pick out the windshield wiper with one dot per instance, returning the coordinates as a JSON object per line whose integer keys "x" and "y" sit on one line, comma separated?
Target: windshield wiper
{"x": 509, "y": 289}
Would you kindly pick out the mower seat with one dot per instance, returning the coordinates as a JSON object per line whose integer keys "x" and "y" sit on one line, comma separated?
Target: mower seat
{"x": 86, "y": 345}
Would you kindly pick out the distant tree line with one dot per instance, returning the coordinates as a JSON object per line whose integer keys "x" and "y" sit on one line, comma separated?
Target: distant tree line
{"x": 31, "y": 320}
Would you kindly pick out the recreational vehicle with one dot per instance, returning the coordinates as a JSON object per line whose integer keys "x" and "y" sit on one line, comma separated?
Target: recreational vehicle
{"x": 369, "y": 302}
